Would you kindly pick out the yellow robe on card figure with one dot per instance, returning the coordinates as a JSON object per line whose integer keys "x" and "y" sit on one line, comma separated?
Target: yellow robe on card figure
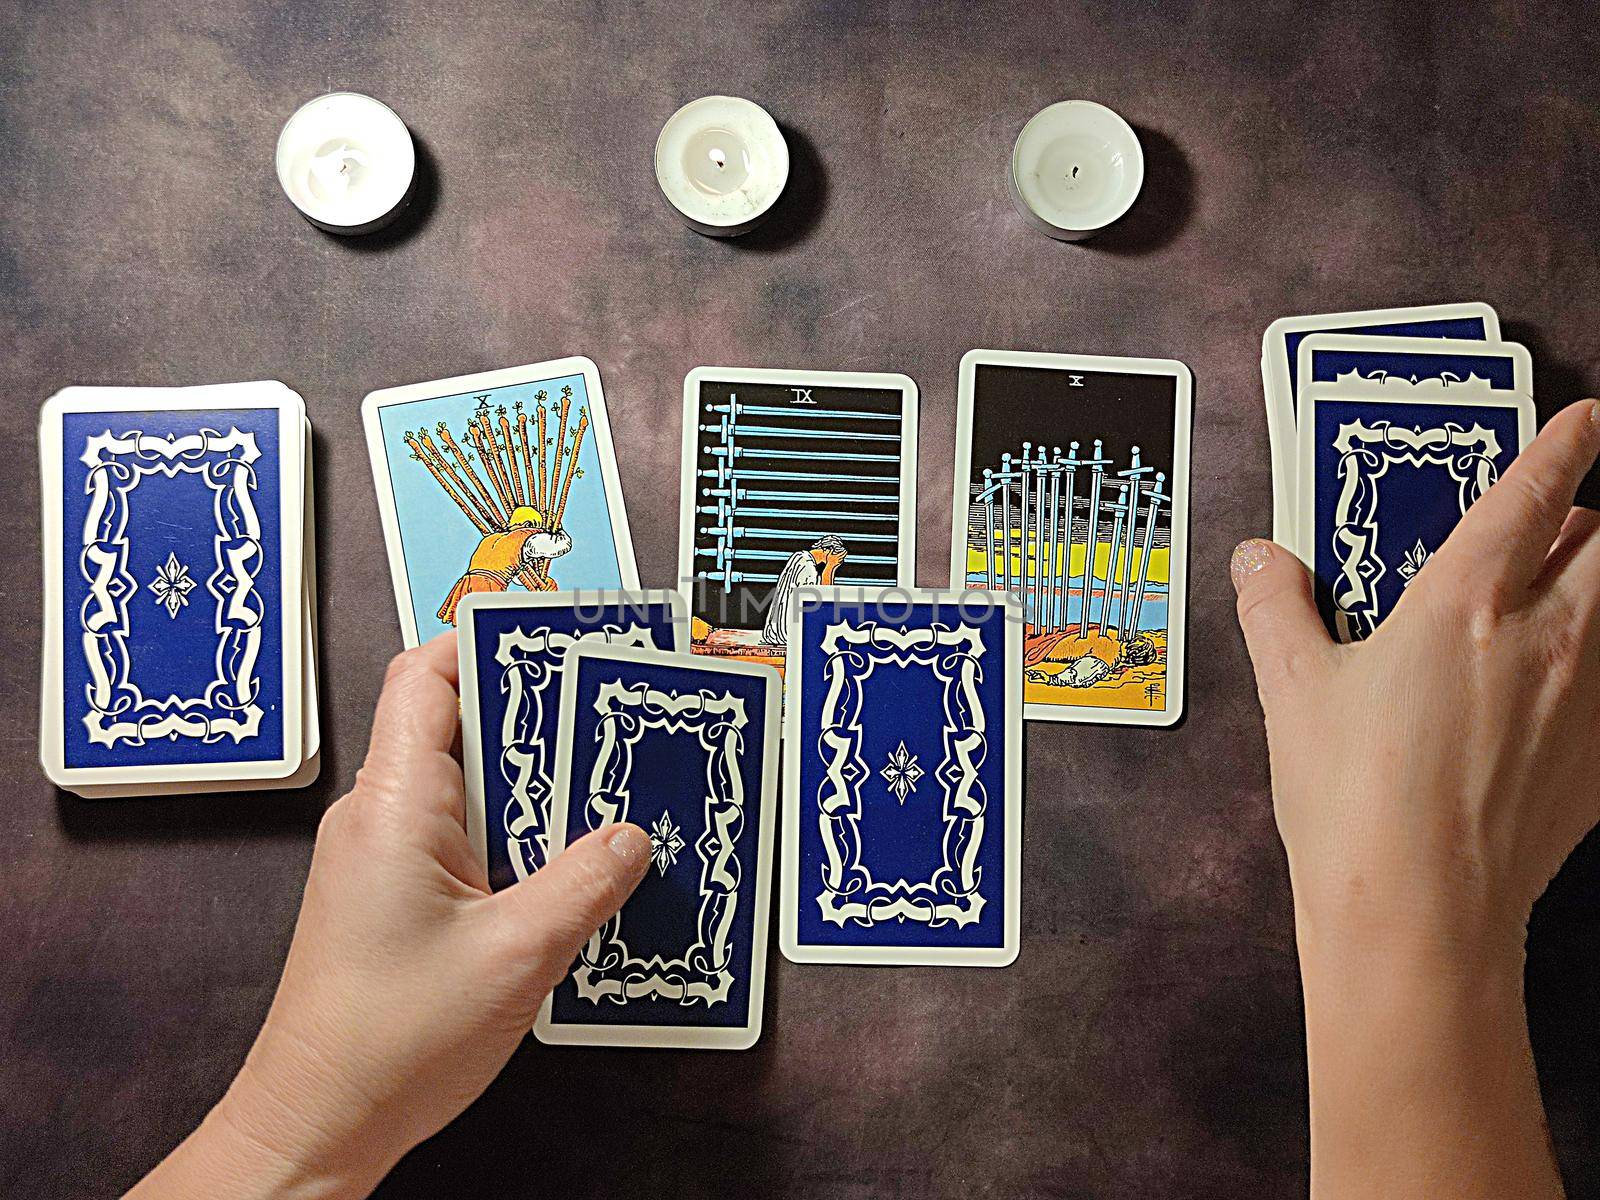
{"x": 521, "y": 554}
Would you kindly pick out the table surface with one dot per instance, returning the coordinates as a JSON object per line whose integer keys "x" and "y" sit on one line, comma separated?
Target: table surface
{"x": 1301, "y": 158}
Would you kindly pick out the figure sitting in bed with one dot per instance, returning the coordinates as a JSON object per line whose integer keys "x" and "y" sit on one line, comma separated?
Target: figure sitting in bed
{"x": 520, "y": 554}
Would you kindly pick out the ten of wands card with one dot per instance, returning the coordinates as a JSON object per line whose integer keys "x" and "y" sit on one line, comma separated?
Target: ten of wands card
{"x": 902, "y": 810}
{"x": 1072, "y": 493}
{"x": 501, "y": 481}
{"x": 687, "y": 749}
{"x": 790, "y": 479}
{"x": 174, "y": 601}
{"x": 512, "y": 648}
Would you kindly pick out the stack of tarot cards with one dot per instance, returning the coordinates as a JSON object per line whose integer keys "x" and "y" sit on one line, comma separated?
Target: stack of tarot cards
{"x": 179, "y": 593}
{"x": 1386, "y": 426}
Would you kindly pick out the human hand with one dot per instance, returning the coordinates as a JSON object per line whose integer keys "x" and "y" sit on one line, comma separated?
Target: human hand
{"x": 1428, "y": 783}
{"x": 1430, "y": 780}
{"x": 408, "y": 984}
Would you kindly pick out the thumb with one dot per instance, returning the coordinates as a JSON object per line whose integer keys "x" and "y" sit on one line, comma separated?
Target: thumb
{"x": 1282, "y": 630}
{"x": 552, "y": 913}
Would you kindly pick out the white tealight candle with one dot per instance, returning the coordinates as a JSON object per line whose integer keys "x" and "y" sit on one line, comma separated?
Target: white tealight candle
{"x": 1077, "y": 166}
{"x": 347, "y": 161}
{"x": 722, "y": 163}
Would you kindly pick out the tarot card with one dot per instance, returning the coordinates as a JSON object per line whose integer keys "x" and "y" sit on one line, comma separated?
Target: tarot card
{"x": 1387, "y": 468}
{"x": 790, "y": 479}
{"x": 902, "y": 812}
{"x": 687, "y": 749}
{"x": 501, "y": 481}
{"x": 1093, "y": 541}
{"x": 512, "y": 647}
{"x": 1280, "y": 353}
{"x": 1502, "y": 366}
{"x": 174, "y": 601}
{"x": 311, "y": 730}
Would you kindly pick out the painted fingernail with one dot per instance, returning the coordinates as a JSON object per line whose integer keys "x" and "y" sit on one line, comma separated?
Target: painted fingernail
{"x": 1248, "y": 558}
{"x": 629, "y": 843}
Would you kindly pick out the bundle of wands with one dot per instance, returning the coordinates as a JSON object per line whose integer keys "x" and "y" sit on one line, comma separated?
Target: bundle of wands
{"x": 508, "y": 459}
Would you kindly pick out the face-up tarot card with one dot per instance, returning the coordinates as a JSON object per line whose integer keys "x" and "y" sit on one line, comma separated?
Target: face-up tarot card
{"x": 902, "y": 815}
{"x": 1387, "y": 469}
{"x": 687, "y": 749}
{"x": 1072, "y": 492}
{"x": 512, "y": 647}
{"x": 174, "y": 597}
{"x": 1280, "y": 356}
{"x": 501, "y": 481}
{"x": 790, "y": 479}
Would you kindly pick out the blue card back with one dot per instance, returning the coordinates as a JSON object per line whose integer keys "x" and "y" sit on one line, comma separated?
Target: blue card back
{"x": 1473, "y": 328}
{"x": 171, "y": 595}
{"x": 1391, "y": 480}
{"x": 1499, "y": 369}
{"x": 516, "y": 677}
{"x": 681, "y": 751}
{"x": 903, "y": 839}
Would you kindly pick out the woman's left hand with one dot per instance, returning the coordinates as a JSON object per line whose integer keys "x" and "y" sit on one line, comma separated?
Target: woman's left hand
{"x": 408, "y": 984}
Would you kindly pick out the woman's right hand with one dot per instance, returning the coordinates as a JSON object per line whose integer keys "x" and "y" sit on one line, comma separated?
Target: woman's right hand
{"x": 1428, "y": 783}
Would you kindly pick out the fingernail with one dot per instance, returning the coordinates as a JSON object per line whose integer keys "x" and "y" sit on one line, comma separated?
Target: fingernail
{"x": 1248, "y": 558}
{"x": 629, "y": 843}
{"x": 1594, "y": 412}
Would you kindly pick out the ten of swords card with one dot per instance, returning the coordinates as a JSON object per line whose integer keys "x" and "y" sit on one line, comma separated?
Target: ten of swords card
{"x": 902, "y": 810}
{"x": 790, "y": 479}
{"x": 1280, "y": 354}
{"x": 501, "y": 481}
{"x": 1391, "y": 458}
{"x": 1072, "y": 493}
{"x": 687, "y": 749}
{"x": 174, "y": 594}
{"x": 512, "y": 647}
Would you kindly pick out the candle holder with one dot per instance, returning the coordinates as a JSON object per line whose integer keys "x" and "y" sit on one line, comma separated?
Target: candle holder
{"x": 347, "y": 162}
{"x": 722, "y": 162}
{"x": 1076, "y": 167}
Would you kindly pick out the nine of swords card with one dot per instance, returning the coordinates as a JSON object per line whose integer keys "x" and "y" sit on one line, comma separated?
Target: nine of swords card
{"x": 790, "y": 479}
{"x": 1072, "y": 492}
{"x": 501, "y": 481}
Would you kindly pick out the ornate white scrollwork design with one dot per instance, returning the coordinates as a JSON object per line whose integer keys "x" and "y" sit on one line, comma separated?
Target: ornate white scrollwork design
{"x": 606, "y": 968}
{"x": 117, "y": 710}
{"x": 849, "y": 892}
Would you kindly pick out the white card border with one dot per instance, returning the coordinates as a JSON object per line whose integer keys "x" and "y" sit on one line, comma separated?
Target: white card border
{"x": 789, "y": 898}
{"x": 887, "y": 381}
{"x": 291, "y": 429}
{"x": 605, "y": 450}
{"x": 673, "y": 1037}
{"x": 471, "y": 714}
{"x": 1177, "y": 584}
{"x": 1283, "y": 407}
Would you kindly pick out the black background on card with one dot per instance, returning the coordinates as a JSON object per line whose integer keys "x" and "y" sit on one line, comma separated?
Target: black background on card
{"x": 1013, "y": 404}
{"x": 1016, "y": 404}
{"x": 1300, "y": 158}
{"x": 744, "y": 605}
